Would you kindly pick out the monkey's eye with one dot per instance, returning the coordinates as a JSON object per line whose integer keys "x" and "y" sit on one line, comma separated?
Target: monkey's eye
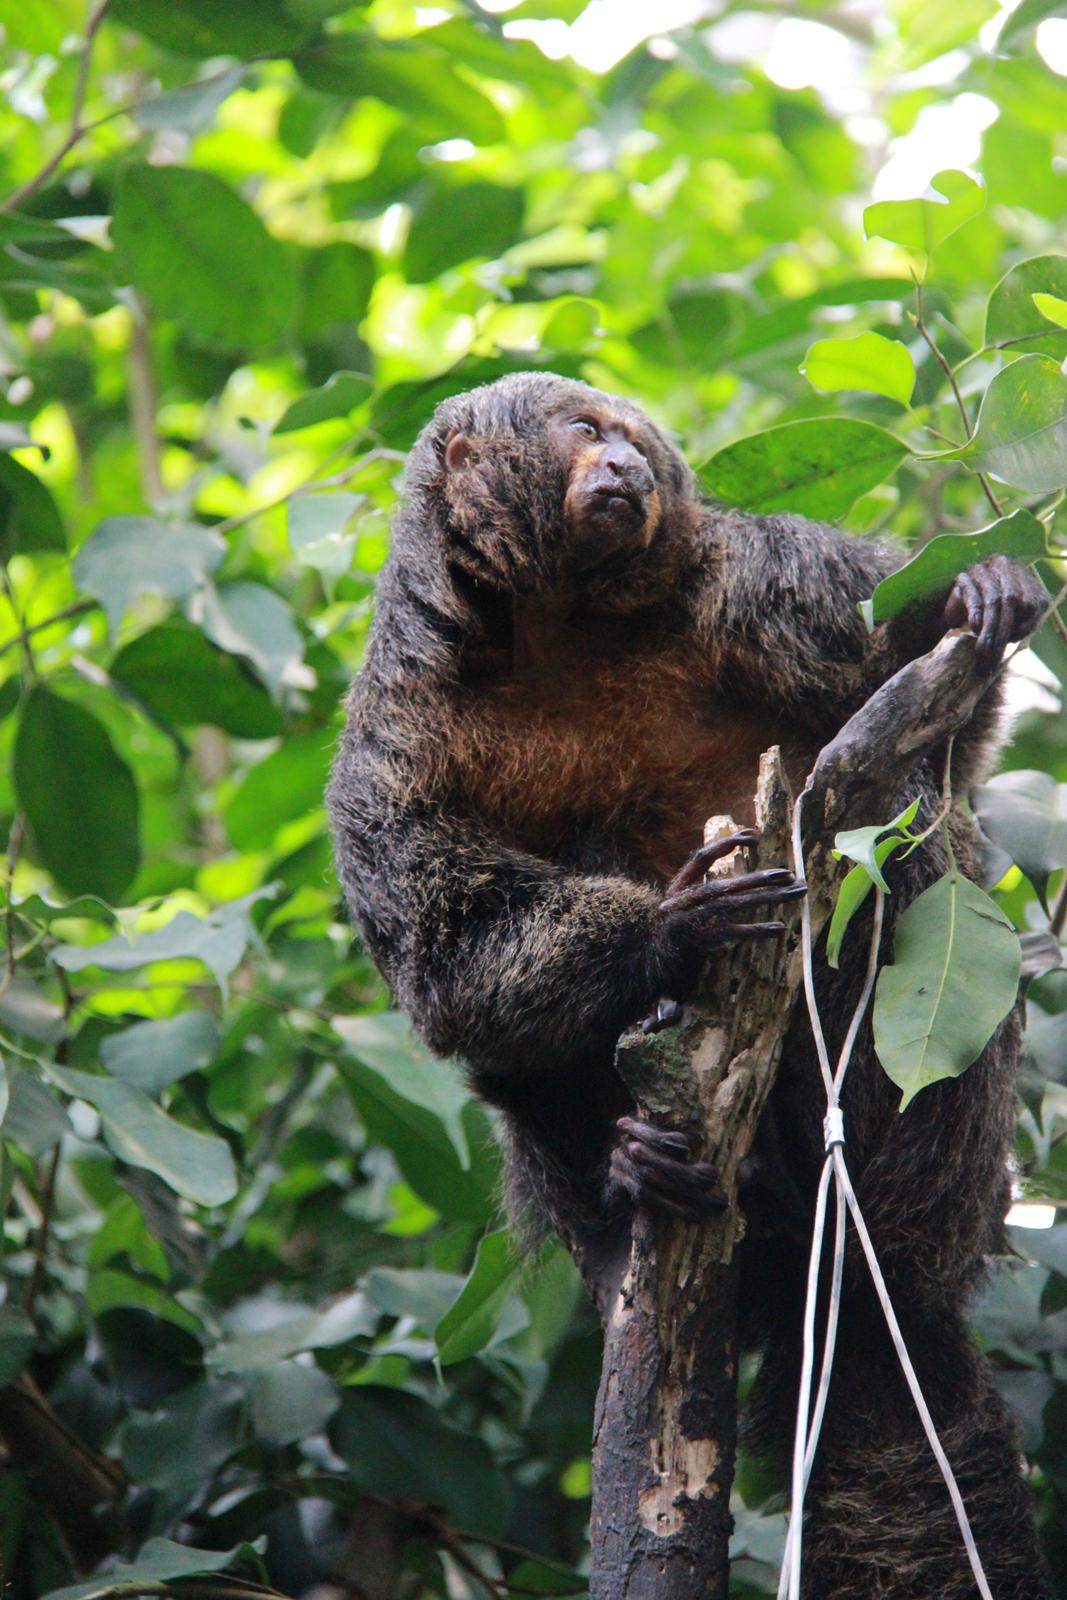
{"x": 587, "y": 429}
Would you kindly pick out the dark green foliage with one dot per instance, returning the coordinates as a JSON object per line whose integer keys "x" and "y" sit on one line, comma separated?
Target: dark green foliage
{"x": 248, "y": 1222}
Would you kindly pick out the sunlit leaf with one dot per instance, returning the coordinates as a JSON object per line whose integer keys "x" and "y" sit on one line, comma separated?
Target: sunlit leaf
{"x": 953, "y": 199}
{"x": 1013, "y": 318}
{"x": 129, "y": 556}
{"x": 818, "y": 467}
{"x": 1021, "y": 434}
{"x": 1019, "y": 535}
{"x": 869, "y": 361}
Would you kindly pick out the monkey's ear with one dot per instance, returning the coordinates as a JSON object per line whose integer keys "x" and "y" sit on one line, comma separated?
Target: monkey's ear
{"x": 457, "y": 450}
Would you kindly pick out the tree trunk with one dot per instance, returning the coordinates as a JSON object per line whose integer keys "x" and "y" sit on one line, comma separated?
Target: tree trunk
{"x": 666, "y": 1418}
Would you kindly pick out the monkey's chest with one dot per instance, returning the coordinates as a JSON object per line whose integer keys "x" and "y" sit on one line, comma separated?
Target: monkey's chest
{"x": 633, "y": 761}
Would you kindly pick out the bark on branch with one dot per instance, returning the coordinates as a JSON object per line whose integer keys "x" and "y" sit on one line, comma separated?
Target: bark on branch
{"x": 666, "y": 1421}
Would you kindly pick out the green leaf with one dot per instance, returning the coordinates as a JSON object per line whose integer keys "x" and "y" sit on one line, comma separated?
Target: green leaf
{"x": 1014, "y": 319}
{"x": 818, "y": 467}
{"x": 420, "y": 81}
{"x": 318, "y": 532}
{"x": 1025, "y": 813}
{"x": 855, "y": 887}
{"x": 954, "y": 977}
{"x": 290, "y": 1401}
{"x": 288, "y": 783}
{"x": 953, "y": 199}
{"x": 86, "y": 833}
{"x": 184, "y": 1443}
{"x": 250, "y": 620}
{"x": 859, "y": 843}
{"x": 338, "y": 281}
{"x": 335, "y": 398}
{"x": 351, "y": 1318}
{"x": 1051, "y": 308}
{"x": 459, "y": 223}
{"x": 869, "y": 361}
{"x": 206, "y": 28}
{"x": 17, "y": 1339}
{"x": 1025, "y": 18}
{"x": 191, "y": 108}
{"x": 157, "y": 1562}
{"x": 219, "y": 940}
{"x": 927, "y": 31}
{"x": 128, "y": 556}
{"x": 35, "y": 1120}
{"x": 396, "y": 1444}
{"x": 386, "y": 1044}
{"x": 153, "y": 1055}
{"x": 1019, "y": 535}
{"x": 471, "y": 1321}
{"x": 29, "y": 518}
{"x": 418, "y": 1292}
{"x": 201, "y": 255}
{"x": 196, "y": 1165}
{"x": 1021, "y": 435}
{"x": 186, "y": 680}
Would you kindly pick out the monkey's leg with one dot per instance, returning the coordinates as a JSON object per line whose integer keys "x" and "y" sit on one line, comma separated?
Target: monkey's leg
{"x": 879, "y": 1520}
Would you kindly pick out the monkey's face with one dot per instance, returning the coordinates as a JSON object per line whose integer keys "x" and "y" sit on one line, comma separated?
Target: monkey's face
{"x": 540, "y": 484}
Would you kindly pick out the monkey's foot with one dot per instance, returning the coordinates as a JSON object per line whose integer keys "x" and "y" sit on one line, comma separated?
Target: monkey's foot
{"x": 656, "y": 1169}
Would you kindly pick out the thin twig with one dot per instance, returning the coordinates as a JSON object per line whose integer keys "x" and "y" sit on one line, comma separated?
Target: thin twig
{"x": 77, "y": 129}
{"x": 78, "y": 608}
{"x": 951, "y": 376}
{"x": 40, "y": 1249}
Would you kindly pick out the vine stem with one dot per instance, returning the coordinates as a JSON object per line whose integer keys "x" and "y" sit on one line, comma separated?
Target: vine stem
{"x": 77, "y": 129}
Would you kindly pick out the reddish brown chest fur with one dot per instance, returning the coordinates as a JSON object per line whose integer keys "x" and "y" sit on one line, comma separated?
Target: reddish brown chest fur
{"x": 596, "y": 732}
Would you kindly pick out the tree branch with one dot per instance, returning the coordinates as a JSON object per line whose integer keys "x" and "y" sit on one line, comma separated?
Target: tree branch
{"x": 665, "y": 1432}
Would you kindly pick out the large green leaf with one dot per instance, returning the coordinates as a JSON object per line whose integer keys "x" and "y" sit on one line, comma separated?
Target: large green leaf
{"x": 1014, "y": 321}
{"x": 336, "y": 398}
{"x": 219, "y": 940}
{"x": 156, "y": 1564}
{"x": 206, "y": 28}
{"x": 923, "y": 224}
{"x": 420, "y": 81}
{"x": 386, "y": 1044}
{"x": 29, "y": 518}
{"x": 128, "y": 556}
{"x": 868, "y": 361}
{"x": 153, "y": 1055}
{"x": 397, "y": 1444}
{"x": 196, "y": 1165}
{"x": 473, "y": 1318}
{"x": 351, "y": 1318}
{"x": 191, "y": 108}
{"x": 286, "y": 784}
{"x": 187, "y": 680}
{"x": 1022, "y": 426}
{"x": 818, "y": 467}
{"x": 200, "y": 254}
{"x": 1025, "y": 813}
{"x": 457, "y": 223}
{"x": 79, "y": 796}
{"x": 1020, "y": 535}
{"x": 289, "y": 1401}
{"x": 250, "y": 620}
{"x": 954, "y": 977}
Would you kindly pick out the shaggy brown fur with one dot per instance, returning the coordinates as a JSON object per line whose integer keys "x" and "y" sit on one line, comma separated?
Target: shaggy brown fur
{"x": 573, "y": 663}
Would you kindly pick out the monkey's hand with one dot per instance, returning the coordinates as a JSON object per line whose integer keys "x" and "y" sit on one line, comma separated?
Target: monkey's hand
{"x": 657, "y": 1171}
{"x": 999, "y": 601}
{"x": 698, "y": 915}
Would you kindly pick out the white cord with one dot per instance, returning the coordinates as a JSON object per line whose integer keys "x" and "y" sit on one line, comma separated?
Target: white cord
{"x": 807, "y": 1433}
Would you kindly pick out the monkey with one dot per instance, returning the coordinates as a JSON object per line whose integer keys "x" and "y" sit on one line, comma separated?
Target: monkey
{"x": 575, "y": 659}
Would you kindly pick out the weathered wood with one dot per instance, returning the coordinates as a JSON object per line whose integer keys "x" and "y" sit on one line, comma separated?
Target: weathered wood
{"x": 666, "y": 1419}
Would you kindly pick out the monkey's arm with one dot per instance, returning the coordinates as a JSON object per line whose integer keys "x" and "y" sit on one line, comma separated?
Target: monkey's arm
{"x": 783, "y": 595}
{"x": 511, "y": 961}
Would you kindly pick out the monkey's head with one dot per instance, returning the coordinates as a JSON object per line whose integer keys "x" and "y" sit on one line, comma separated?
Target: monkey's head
{"x": 540, "y": 484}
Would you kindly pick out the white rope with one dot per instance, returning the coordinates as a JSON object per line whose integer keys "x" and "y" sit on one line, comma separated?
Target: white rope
{"x": 807, "y": 1433}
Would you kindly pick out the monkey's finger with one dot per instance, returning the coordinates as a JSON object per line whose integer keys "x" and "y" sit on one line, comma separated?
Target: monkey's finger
{"x": 972, "y": 600}
{"x": 755, "y": 897}
{"x": 655, "y": 1138}
{"x": 701, "y": 859}
{"x": 696, "y": 1186}
{"x": 988, "y": 583}
{"x": 720, "y": 888}
{"x": 755, "y": 930}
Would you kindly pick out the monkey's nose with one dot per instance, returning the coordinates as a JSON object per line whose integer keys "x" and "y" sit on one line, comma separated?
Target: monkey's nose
{"x": 622, "y": 460}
